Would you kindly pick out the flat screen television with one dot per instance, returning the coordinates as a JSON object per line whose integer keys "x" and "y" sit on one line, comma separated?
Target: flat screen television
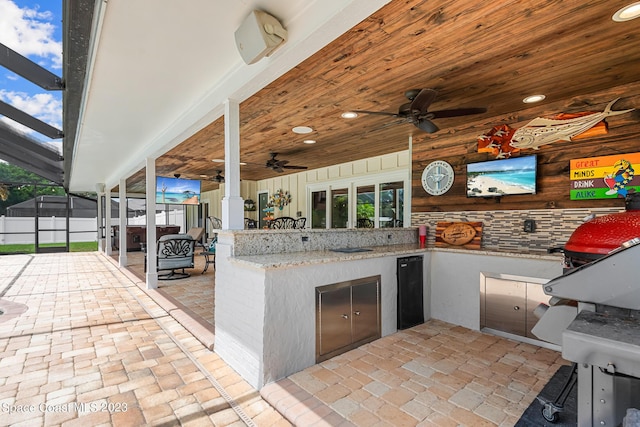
{"x": 496, "y": 178}
{"x": 176, "y": 191}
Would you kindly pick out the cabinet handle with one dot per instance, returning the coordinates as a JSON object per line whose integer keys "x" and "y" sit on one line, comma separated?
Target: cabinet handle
{"x": 344, "y": 316}
{"x": 516, "y": 308}
{"x": 357, "y": 313}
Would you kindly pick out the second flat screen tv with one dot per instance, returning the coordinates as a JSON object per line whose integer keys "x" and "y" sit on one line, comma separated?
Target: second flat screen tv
{"x": 496, "y": 178}
{"x": 175, "y": 191}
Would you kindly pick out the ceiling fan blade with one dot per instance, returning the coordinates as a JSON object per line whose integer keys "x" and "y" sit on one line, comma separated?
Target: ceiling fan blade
{"x": 295, "y": 167}
{"x": 426, "y": 125}
{"x": 456, "y": 112}
{"x": 380, "y": 113}
{"x": 421, "y": 102}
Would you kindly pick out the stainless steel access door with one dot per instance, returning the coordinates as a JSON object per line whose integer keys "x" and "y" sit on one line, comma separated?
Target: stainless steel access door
{"x": 334, "y": 317}
{"x": 364, "y": 311}
{"x": 505, "y": 305}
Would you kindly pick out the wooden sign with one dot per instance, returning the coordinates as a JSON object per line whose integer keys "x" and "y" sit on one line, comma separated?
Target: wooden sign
{"x": 607, "y": 177}
{"x": 467, "y": 235}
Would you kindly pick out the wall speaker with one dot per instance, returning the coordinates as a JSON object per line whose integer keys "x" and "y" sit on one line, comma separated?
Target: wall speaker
{"x": 258, "y": 36}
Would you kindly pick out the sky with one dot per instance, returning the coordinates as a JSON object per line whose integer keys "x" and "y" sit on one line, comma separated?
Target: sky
{"x": 34, "y": 30}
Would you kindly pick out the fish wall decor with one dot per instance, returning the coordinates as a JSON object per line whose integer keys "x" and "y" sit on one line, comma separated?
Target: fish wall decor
{"x": 503, "y": 141}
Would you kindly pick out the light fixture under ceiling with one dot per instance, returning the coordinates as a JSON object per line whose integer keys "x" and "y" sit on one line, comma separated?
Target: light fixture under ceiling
{"x": 302, "y": 129}
{"x": 627, "y": 13}
{"x": 309, "y": 141}
{"x": 533, "y": 98}
{"x": 349, "y": 115}
{"x": 222, "y": 161}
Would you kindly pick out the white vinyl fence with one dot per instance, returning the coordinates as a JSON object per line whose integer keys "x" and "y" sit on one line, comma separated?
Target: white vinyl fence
{"x": 21, "y": 230}
{"x": 15, "y": 230}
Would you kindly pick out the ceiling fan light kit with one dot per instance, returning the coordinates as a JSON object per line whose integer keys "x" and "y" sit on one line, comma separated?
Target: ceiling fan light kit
{"x": 417, "y": 111}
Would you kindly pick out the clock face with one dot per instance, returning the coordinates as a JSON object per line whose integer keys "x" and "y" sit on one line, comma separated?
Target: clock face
{"x": 437, "y": 178}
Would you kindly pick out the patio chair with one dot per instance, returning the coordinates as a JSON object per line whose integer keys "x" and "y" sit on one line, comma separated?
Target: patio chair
{"x": 175, "y": 252}
{"x": 216, "y": 223}
{"x": 300, "y": 222}
{"x": 209, "y": 254}
{"x": 365, "y": 223}
{"x": 282, "y": 223}
{"x": 196, "y": 233}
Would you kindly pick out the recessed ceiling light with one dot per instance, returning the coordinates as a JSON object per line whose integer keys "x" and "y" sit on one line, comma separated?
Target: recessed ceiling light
{"x": 533, "y": 98}
{"x": 349, "y": 115}
{"x": 302, "y": 129}
{"x": 627, "y": 13}
{"x": 309, "y": 141}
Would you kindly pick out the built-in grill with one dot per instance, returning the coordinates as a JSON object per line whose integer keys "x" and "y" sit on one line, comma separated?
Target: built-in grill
{"x": 594, "y": 315}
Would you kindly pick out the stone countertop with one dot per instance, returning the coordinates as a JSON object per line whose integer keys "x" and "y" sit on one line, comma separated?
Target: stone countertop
{"x": 298, "y": 259}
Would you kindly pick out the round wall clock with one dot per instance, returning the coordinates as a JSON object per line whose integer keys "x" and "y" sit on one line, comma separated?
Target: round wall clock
{"x": 437, "y": 177}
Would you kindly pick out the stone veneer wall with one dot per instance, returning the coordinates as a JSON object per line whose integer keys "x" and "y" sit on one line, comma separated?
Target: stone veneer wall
{"x": 504, "y": 230}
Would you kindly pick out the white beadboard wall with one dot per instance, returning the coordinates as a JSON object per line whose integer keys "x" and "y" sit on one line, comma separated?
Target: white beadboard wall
{"x": 296, "y": 183}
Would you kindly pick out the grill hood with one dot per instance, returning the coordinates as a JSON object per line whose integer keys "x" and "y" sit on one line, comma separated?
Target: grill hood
{"x": 601, "y": 235}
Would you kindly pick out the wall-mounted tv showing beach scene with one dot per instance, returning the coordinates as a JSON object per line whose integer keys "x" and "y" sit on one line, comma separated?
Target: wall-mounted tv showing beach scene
{"x": 496, "y": 178}
{"x": 176, "y": 191}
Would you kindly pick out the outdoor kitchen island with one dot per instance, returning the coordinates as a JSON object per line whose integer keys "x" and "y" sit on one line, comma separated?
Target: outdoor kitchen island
{"x": 266, "y": 280}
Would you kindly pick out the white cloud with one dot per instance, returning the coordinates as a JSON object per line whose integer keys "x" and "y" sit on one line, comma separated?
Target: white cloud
{"x": 30, "y": 33}
{"x": 44, "y": 106}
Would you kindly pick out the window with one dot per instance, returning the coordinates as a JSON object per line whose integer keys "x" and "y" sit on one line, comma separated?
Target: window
{"x": 340, "y": 208}
{"x": 319, "y": 209}
{"x": 366, "y": 207}
{"x": 391, "y": 204}
{"x": 368, "y": 202}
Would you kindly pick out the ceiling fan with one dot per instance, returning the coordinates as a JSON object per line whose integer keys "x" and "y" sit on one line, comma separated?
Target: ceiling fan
{"x": 280, "y": 165}
{"x": 416, "y": 111}
{"x": 218, "y": 178}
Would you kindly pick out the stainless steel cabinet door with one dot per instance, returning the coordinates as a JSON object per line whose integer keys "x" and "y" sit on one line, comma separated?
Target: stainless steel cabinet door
{"x": 505, "y": 305}
{"x": 364, "y": 310}
{"x": 334, "y": 319}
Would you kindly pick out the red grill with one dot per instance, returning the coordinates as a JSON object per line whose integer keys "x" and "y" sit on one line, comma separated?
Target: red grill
{"x": 599, "y": 236}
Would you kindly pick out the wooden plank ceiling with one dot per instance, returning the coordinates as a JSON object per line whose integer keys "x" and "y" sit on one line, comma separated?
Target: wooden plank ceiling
{"x": 475, "y": 54}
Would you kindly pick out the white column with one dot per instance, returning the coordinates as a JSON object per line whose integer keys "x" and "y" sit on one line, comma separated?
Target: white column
{"x": 107, "y": 219}
{"x": 152, "y": 273}
{"x": 232, "y": 203}
{"x": 101, "y": 240}
{"x": 122, "y": 254}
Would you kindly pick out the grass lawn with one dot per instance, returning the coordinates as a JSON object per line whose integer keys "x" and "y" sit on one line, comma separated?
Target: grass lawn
{"x": 30, "y": 248}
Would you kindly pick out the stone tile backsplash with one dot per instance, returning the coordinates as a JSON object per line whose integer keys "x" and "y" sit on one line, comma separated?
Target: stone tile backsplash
{"x": 504, "y": 230}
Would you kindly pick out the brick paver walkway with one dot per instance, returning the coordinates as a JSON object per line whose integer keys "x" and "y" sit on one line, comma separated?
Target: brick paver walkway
{"x": 82, "y": 344}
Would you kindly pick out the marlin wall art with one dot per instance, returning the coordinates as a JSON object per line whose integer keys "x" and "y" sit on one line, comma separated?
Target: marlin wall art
{"x": 503, "y": 141}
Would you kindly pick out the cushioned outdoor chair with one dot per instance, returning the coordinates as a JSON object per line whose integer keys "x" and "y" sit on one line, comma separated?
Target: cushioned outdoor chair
{"x": 175, "y": 252}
